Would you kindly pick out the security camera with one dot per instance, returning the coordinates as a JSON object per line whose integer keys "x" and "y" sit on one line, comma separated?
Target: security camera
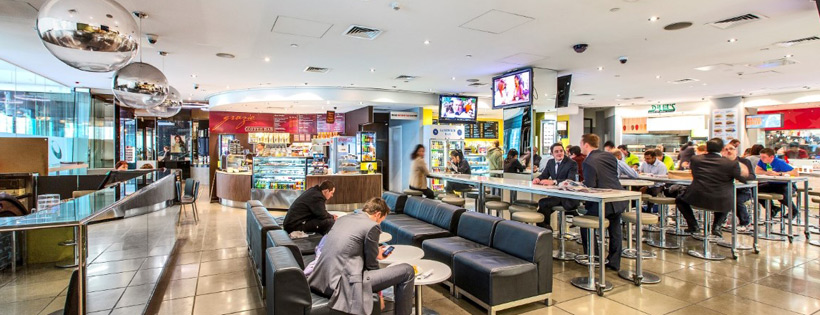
{"x": 395, "y": 6}
{"x": 152, "y": 38}
{"x": 623, "y": 59}
{"x": 196, "y": 86}
{"x": 580, "y": 48}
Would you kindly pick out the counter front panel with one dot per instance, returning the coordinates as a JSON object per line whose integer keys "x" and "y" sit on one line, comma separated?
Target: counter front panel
{"x": 350, "y": 188}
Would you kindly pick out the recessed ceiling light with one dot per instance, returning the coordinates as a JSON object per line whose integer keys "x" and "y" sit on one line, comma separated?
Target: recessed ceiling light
{"x": 732, "y": 40}
{"x": 619, "y": 95}
{"x": 267, "y": 59}
{"x": 227, "y": 86}
{"x": 469, "y": 56}
{"x": 225, "y": 55}
{"x": 361, "y": 103}
{"x": 789, "y": 56}
{"x": 654, "y": 19}
{"x": 431, "y": 90}
{"x": 600, "y": 68}
{"x": 657, "y": 77}
{"x": 305, "y": 83}
{"x": 193, "y": 75}
{"x": 426, "y": 42}
{"x": 614, "y": 9}
{"x": 294, "y": 45}
{"x": 705, "y": 84}
{"x": 677, "y": 26}
{"x": 454, "y": 78}
{"x": 372, "y": 69}
{"x": 327, "y": 102}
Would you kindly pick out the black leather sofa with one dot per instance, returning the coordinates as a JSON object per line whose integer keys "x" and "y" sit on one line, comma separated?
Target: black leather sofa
{"x": 260, "y": 221}
{"x": 422, "y": 219}
{"x": 395, "y": 201}
{"x": 288, "y": 291}
{"x": 516, "y": 268}
{"x": 280, "y": 238}
{"x": 249, "y": 218}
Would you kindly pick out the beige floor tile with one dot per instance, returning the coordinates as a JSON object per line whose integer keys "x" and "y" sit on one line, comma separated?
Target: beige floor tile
{"x": 183, "y": 306}
{"x": 682, "y": 290}
{"x": 14, "y": 292}
{"x": 563, "y": 291}
{"x": 26, "y": 307}
{"x": 135, "y": 295}
{"x": 110, "y": 281}
{"x": 223, "y": 266}
{"x": 645, "y": 300}
{"x": 224, "y": 253}
{"x": 185, "y": 271}
{"x": 593, "y": 304}
{"x": 146, "y": 276}
{"x": 187, "y": 258}
{"x": 225, "y": 282}
{"x": 731, "y": 304}
{"x": 227, "y": 243}
{"x": 128, "y": 310}
{"x": 56, "y": 304}
{"x": 792, "y": 284}
{"x": 707, "y": 279}
{"x": 656, "y": 266}
{"x": 182, "y": 288}
{"x": 782, "y": 299}
{"x": 695, "y": 310}
{"x": 258, "y": 311}
{"x": 228, "y": 302}
{"x": 154, "y": 262}
{"x": 741, "y": 272}
{"x": 103, "y": 300}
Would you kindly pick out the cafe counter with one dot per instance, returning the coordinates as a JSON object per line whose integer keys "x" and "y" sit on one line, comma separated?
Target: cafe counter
{"x": 233, "y": 189}
{"x": 352, "y": 190}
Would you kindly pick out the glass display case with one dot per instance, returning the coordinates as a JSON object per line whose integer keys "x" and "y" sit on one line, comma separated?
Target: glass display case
{"x": 478, "y": 163}
{"x": 318, "y": 165}
{"x": 278, "y": 181}
{"x": 235, "y": 163}
{"x": 367, "y": 146}
{"x": 343, "y": 157}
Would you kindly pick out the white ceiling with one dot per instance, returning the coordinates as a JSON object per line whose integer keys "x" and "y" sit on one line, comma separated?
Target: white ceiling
{"x": 499, "y": 36}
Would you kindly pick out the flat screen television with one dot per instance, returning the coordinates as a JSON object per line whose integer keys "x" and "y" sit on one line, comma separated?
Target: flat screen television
{"x": 457, "y": 109}
{"x": 564, "y": 88}
{"x": 513, "y": 89}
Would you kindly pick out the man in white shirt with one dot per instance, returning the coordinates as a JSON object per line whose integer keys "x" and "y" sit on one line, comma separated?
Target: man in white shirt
{"x": 652, "y": 165}
{"x": 624, "y": 171}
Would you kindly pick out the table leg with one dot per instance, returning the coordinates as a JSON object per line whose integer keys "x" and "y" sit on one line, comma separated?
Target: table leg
{"x": 807, "y": 231}
{"x": 788, "y": 197}
{"x": 734, "y": 223}
{"x": 480, "y": 200}
{"x": 81, "y": 267}
{"x": 756, "y": 205}
{"x": 418, "y": 307}
{"x": 602, "y": 280}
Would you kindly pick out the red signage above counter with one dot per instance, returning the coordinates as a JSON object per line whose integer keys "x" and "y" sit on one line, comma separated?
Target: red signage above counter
{"x": 799, "y": 118}
{"x": 231, "y": 122}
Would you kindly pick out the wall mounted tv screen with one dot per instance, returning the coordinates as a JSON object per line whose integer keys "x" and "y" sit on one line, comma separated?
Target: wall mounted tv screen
{"x": 457, "y": 109}
{"x": 513, "y": 89}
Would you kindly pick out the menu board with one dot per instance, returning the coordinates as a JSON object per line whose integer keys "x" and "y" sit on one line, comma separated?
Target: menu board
{"x": 634, "y": 125}
{"x": 337, "y": 126}
{"x": 724, "y": 124}
{"x": 306, "y": 124}
{"x": 310, "y": 124}
{"x": 547, "y": 135}
{"x": 481, "y": 130}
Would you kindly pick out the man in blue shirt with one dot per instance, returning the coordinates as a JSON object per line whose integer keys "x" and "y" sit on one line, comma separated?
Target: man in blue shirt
{"x": 771, "y": 165}
{"x": 624, "y": 171}
{"x": 654, "y": 166}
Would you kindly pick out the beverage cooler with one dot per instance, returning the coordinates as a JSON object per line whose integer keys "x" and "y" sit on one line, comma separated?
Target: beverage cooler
{"x": 478, "y": 163}
{"x": 278, "y": 181}
{"x": 343, "y": 156}
{"x": 367, "y": 151}
{"x": 443, "y": 139}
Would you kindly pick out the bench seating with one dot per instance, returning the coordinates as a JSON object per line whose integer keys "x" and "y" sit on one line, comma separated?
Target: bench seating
{"x": 422, "y": 219}
{"x": 260, "y": 221}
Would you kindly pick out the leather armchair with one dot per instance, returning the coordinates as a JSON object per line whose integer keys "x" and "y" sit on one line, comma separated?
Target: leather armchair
{"x": 422, "y": 219}
{"x": 395, "y": 201}
{"x": 260, "y": 223}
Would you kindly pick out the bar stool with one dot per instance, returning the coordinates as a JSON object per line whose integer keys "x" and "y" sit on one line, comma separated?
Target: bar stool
{"x": 526, "y": 203}
{"x": 767, "y": 224}
{"x": 707, "y": 253}
{"x": 589, "y": 283}
{"x": 561, "y": 253}
{"x": 638, "y": 276}
{"x": 446, "y": 195}
{"x": 516, "y": 208}
{"x": 459, "y": 202}
{"x": 798, "y": 195}
{"x": 498, "y": 206}
{"x": 817, "y": 200}
{"x": 663, "y": 204}
{"x": 413, "y": 192}
{"x": 528, "y": 217}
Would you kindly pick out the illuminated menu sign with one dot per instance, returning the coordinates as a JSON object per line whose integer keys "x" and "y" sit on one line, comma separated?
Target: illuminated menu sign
{"x": 764, "y": 121}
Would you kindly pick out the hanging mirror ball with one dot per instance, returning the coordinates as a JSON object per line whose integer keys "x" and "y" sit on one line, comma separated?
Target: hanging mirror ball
{"x": 140, "y": 85}
{"x": 171, "y": 106}
{"x": 90, "y": 35}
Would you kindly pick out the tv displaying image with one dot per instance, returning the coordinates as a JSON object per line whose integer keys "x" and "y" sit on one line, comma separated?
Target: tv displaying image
{"x": 457, "y": 109}
{"x": 513, "y": 89}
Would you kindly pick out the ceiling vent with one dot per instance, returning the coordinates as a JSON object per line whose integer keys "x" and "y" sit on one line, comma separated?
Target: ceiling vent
{"x": 477, "y": 84}
{"x": 793, "y": 42}
{"x": 584, "y": 95}
{"x": 405, "y": 77}
{"x": 362, "y": 32}
{"x": 316, "y": 69}
{"x": 684, "y": 81}
{"x": 774, "y": 63}
{"x": 737, "y": 21}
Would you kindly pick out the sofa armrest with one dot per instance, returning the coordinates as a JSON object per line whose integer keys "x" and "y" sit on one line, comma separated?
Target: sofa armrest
{"x": 280, "y": 238}
{"x": 530, "y": 243}
{"x": 395, "y": 201}
{"x": 287, "y": 290}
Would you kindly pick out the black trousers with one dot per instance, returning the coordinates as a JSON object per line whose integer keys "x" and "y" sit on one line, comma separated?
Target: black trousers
{"x": 321, "y": 226}
{"x": 428, "y": 193}
{"x": 615, "y": 235}
{"x": 686, "y": 210}
{"x": 742, "y": 213}
{"x": 545, "y": 207}
{"x": 451, "y": 186}
{"x": 654, "y": 192}
{"x": 777, "y": 188}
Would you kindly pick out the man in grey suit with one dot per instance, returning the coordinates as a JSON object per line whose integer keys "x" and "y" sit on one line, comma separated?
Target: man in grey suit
{"x": 348, "y": 269}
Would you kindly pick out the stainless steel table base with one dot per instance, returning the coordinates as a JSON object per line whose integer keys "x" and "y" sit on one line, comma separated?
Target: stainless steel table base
{"x": 589, "y": 284}
{"x": 584, "y": 260}
{"x": 647, "y": 278}
{"x": 706, "y": 253}
{"x": 815, "y": 242}
{"x": 631, "y": 254}
{"x": 565, "y": 256}
{"x": 419, "y": 308}
{"x": 728, "y": 244}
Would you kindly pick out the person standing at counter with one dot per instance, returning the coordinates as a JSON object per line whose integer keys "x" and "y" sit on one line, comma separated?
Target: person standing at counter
{"x": 687, "y": 151}
{"x": 419, "y": 172}
{"x": 601, "y": 171}
{"x": 576, "y": 155}
{"x": 308, "y": 213}
{"x": 795, "y": 152}
{"x": 771, "y": 165}
{"x": 557, "y": 170}
{"x": 512, "y": 164}
{"x": 260, "y": 149}
{"x": 458, "y": 165}
{"x": 495, "y": 156}
{"x": 630, "y": 159}
{"x": 121, "y": 166}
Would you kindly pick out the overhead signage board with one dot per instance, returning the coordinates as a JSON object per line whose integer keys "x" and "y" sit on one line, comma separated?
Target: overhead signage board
{"x": 454, "y": 132}
{"x": 404, "y": 116}
{"x": 764, "y": 121}
{"x": 662, "y": 108}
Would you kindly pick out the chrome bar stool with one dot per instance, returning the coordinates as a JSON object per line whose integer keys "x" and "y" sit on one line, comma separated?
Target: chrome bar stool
{"x": 458, "y": 202}
{"x": 767, "y": 223}
{"x": 707, "y": 253}
{"x": 445, "y": 195}
{"x": 638, "y": 276}
{"x": 590, "y": 283}
{"x": 817, "y": 200}
{"x": 498, "y": 206}
{"x": 561, "y": 253}
{"x": 528, "y": 217}
{"x": 663, "y": 209}
{"x": 526, "y": 203}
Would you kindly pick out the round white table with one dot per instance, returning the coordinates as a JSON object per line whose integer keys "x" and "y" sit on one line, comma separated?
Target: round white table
{"x": 385, "y": 237}
{"x": 339, "y": 213}
{"x": 401, "y": 254}
{"x": 438, "y": 272}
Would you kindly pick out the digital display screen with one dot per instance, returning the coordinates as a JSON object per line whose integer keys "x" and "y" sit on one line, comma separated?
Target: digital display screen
{"x": 513, "y": 89}
{"x": 764, "y": 121}
{"x": 459, "y": 109}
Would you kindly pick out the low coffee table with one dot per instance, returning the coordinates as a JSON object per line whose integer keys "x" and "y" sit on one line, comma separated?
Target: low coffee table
{"x": 402, "y": 254}
{"x": 385, "y": 237}
{"x": 441, "y": 273}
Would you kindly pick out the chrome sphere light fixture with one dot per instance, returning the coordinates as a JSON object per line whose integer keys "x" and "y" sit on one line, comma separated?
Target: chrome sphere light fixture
{"x": 89, "y": 35}
{"x": 171, "y": 106}
{"x": 140, "y": 85}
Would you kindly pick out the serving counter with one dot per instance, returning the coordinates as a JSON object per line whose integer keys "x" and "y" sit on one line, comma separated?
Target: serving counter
{"x": 352, "y": 190}
{"x": 233, "y": 189}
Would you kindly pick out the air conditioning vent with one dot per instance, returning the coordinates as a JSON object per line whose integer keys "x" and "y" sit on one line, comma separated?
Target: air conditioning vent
{"x": 362, "y": 32}
{"x": 316, "y": 69}
{"x": 775, "y": 63}
{"x": 477, "y": 84}
{"x": 405, "y": 77}
{"x": 793, "y": 42}
{"x": 737, "y": 21}
{"x": 585, "y": 94}
{"x": 684, "y": 81}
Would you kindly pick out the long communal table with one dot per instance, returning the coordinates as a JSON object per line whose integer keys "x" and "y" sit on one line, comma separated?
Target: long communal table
{"x": 738, "y": 185}
{"x": 601, "y": 198}
{"x": 790, "y": 181}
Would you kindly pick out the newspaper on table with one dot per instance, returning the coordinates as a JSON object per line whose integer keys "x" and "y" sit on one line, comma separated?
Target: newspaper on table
{"x": 571, "y": 185}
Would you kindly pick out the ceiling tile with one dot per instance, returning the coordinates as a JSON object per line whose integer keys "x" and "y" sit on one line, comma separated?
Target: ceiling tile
{"x": 300, "y": 27}
{"x": 522, "y": 59}
{"x": 17, "y": 10}
{"x": 496, "y": 22}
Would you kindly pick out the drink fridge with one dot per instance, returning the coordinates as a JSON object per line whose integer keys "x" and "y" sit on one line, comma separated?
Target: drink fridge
{"x": 343, "y": 156}
{"x": 278, "y": 181}
{"x": 367, "y": 151}
{"x": 443, "y": 139}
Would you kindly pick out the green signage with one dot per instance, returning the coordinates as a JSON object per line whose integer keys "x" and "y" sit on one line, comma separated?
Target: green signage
{"x": 662, "y": 108}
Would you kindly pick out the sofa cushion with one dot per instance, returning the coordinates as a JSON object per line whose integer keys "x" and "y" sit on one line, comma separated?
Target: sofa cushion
{"x": 444, "y": 249}
{"x": 437, "y": 213}
{"x": 280, "y": 238}
{"x": 414, "y": 233}
{"x": 253, "y": 203}
{"x": 395, "y": 201}
{"x": 530, "y": 243}
{"x": 307, "y": 245}
{"x": 260, "y": 224}
{"x": 494, "y": 277}
{"x": 477, "y": 227}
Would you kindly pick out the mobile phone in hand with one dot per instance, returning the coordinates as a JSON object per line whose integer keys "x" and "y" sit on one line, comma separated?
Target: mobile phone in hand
{"x": 388, "y": 251}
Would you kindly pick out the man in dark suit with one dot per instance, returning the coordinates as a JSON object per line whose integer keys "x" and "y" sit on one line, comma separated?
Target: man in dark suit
{"x": 601, "y": 171}
{"x": 712, "y": 184}
{"x": 558, "y": 169}
{"x": 308, "y": 213}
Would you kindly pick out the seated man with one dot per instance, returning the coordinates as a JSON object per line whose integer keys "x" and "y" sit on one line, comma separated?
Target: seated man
{"x": 713, "y": 179}
{"x": 348, "y": 269}
{"x": 771, "y": 165}
{"x": 632, "y": 160}
{"x": 652, "y": 165}
{"x": 601, "y": 171}
{"x": 743, "y": 194}
{"x": 457, "y": 165}
{"x": 308, "y": 214}
{"x": 624, "y": 171}
{"x": 557, "y": 170}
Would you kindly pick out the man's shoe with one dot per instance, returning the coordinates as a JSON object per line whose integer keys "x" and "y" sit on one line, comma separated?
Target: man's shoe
{"x": 692, "y": 230}
{"x": 717, "y": 232}
{"x": 613, "y": 268}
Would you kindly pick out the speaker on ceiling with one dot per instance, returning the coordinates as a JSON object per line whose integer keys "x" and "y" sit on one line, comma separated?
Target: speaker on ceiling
{"x": 564, "y": 89}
